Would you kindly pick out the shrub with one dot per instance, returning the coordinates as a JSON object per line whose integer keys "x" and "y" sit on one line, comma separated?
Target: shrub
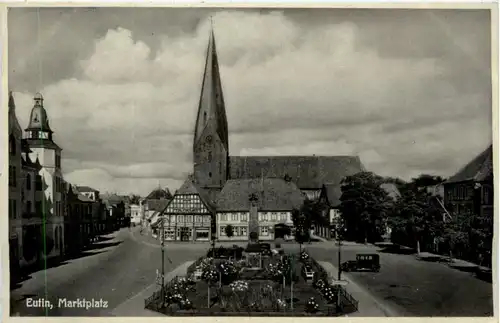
{"x": 312, "y": 306}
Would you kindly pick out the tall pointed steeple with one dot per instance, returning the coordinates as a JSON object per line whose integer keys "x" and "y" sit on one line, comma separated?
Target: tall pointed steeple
{"x": 211, "y": 142}
{"x": 211, "y": 107}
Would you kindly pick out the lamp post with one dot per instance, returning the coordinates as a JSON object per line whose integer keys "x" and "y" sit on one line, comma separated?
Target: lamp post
{"x": 162, "y": 262}
{"x": 339, "y": 254}
{"x": 339, "y": 239}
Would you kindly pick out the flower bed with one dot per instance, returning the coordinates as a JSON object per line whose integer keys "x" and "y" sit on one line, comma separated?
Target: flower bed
{"x": 227, "y": 288}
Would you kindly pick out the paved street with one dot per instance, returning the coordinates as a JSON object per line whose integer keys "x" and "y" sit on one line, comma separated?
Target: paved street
{"x": 121, "y": 271}
{"x": 114, "y": 275}
{"x": 415, "y": 287}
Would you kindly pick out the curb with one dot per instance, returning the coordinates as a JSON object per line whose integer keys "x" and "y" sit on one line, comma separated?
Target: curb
{"x": 356, "y": 290}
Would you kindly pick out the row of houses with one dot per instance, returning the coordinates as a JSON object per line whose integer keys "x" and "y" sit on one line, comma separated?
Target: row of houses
{"x": 48, "y": 217}
{"x": 190, "y": 215}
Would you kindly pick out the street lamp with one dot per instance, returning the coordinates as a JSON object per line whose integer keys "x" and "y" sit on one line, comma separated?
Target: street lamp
{"x": 339, "y": 228}
{"x": 162, "y": 262}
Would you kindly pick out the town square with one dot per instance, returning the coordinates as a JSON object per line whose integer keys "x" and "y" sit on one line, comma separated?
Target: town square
{"x": 185, "y": 164}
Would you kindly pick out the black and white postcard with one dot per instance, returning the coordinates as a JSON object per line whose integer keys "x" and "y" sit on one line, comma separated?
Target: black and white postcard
{"x": 256, "y": 162}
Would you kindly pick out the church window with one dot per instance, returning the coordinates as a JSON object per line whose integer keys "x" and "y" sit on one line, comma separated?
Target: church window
{"x": 210, "y": 174}
{"x": 204, "y": 117}
{"x": 28, "y": 182}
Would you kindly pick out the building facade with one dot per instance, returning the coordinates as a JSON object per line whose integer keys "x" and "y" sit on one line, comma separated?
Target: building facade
{"x": 15, "y": 189}
{"x": 36, "y": 209}
{"x": 187, "y": 217}
{"x": 39, "y": 137}
{"x": 469, "y": 194}
{"x": 263, "y": 206}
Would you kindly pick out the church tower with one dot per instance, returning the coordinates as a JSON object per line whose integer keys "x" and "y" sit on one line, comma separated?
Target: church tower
{"x": 40, "y": 140}
{"x": 211, "y": 143}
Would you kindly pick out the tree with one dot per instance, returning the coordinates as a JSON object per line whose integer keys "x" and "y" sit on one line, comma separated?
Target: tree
{"x": 417, "y": 219}
{"x": 425, "y": 180}
{"x": 364, "y": 207}
{"x": 302, "y": 222}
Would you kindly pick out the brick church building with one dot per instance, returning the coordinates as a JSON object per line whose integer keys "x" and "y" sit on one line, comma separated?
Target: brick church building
{"x": 252, "y": 193}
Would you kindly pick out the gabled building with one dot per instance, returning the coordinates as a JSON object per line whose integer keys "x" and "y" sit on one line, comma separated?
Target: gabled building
{"x": 154, "y": 203}
{"x": 188, "y": 216}
{"x": 263, "y": 206}
{"x": 470, "y": 190}
{"x": 469, "y": 194}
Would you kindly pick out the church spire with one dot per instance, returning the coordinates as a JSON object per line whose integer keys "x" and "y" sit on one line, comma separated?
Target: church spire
{"x": 211, "y": 143}
{"x": 12, "y": 104}
{"x": 211, "y": 108}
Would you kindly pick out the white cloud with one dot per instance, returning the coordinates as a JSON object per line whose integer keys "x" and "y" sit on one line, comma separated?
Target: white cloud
{"x": 288, "y": 90}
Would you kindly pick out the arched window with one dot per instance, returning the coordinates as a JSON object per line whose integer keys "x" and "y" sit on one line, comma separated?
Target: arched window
{"x": 204, "y": 117}
{"x": 28, "y": 182}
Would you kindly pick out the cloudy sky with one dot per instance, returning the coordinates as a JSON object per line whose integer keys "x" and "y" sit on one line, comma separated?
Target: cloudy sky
{"x": 409, "y": 91}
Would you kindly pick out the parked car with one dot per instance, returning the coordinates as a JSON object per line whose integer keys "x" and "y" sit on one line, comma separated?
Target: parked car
{"x": 363, "y": 262}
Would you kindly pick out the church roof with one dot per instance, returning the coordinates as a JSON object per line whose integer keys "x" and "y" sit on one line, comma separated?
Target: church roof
{"x": 308, "y": 172}
{"x": 479, "y": 169}
{"x": 273, "y": 194}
